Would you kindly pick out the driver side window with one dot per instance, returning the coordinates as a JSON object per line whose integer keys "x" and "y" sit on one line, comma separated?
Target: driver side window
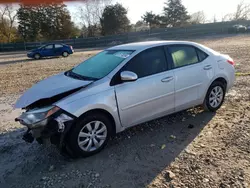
{"x": 149, "y": 62}
{"x": 49, "y": 47}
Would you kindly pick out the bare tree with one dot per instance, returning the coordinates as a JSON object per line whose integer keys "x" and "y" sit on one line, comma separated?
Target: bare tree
{"x": 91, "y": 11}
{"x": 227, "y": 17}
{"x": 242, "y": 13}
{"x": 214, "y": 19}
{"x": 8, "y": 16}
{"x": 198, "y": 18}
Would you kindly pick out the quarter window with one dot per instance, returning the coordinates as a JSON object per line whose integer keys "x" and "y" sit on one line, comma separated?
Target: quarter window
{"x": 58, "y": 46}
{"x": 148, "y": 62}
{"x": 202, "y": 55}
{"x": 183, "y": 55}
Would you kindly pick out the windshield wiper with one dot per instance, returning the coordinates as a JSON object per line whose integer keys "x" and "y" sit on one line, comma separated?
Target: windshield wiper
{"x": 70, "y": 73}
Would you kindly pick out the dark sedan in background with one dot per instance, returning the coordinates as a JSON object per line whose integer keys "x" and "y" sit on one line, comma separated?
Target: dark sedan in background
{"x": 50, "y": 50}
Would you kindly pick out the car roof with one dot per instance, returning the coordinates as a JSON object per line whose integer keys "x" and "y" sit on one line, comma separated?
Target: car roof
{"x": 54, "y": 43}
{"x": 148, "y": 44}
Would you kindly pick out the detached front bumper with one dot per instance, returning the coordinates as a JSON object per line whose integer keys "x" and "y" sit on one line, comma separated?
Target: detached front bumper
{"x": 53, "y": 128}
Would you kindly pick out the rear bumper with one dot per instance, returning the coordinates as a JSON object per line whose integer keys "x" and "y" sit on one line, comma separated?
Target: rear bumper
{"x": 231, "y": 79}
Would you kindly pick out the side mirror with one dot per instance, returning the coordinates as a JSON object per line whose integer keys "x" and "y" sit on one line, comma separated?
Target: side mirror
{"x": 128, "y": 76}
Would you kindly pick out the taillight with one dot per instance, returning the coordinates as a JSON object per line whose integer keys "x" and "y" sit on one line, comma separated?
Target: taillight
{"x": 231, "y": 62}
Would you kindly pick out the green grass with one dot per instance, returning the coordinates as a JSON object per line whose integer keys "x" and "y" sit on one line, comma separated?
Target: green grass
{"x": 242, "y": 74}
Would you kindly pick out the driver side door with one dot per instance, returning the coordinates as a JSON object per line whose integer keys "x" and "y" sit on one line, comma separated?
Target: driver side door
{"x": 152, "y": 94}
{"x": 48, "y": 51}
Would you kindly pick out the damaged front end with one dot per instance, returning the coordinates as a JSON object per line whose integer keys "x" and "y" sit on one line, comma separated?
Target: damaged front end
{"x": 46, "y": 121}
{"x": 46, "y": 124}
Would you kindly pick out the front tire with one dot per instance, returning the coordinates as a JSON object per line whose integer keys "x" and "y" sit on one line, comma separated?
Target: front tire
{"x": 37, "y": 56}
{"x": 214, "y": 97}
{"x": 90, "y": 135}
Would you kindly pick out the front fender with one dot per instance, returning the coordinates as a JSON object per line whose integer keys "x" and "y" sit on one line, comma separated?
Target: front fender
{"x": 105, "y": 100}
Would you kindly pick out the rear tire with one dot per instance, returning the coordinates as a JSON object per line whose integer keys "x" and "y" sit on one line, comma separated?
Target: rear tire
{"x": 37, "y": 56}
{"x": 65, "y": 54}
{"x": 214, "y": 97}
{"x": 89, "y": 135}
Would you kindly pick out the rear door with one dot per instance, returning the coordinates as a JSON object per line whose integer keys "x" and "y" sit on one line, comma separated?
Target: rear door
{"x": 58, "y": 49}
{"x": 193, "y": 72}
{"x": 48, "y": 50}
{"x": 152, "y": 95}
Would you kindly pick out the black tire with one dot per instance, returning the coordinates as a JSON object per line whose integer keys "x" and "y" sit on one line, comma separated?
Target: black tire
{"x": 37, "y": 56}
{"x": 206, "y": 104}
{"x": 39, "y": 141}
{"x": 65, "y": 54}
{"x": 72, "y": 138}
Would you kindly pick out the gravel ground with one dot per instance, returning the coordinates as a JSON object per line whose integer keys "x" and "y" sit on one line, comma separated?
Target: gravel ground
{"x": 190, "y": 149}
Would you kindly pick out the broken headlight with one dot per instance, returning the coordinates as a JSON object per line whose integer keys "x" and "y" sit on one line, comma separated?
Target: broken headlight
{"x": 37, "y": 116}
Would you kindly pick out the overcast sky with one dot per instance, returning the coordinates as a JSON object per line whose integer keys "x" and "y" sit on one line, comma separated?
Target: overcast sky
{"x": 136, "y": 8}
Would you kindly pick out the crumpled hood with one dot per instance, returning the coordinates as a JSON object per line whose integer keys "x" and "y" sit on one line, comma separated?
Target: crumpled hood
{"x": 49, "y": 87}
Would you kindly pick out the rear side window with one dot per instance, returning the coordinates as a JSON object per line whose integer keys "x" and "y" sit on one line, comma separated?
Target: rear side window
{"x": 148, "y": 62}
{"x": 58, "y": 46}
{"x": 183, "y": 55}
{"x": 202, "y": 55}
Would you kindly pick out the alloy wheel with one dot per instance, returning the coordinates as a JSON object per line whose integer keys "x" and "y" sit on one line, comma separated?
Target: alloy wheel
{"x": 37, "y": 56}
{"x": 92, "y": 136}
{"x": 216, "y": 96}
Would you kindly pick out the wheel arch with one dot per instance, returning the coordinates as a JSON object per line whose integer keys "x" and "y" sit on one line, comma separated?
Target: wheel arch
{"x": 37, "y": 53}
{"x": 69, "y": 145}
{"x": 224, "y": 84}
{"x": 219, "y": 78}
{"x": 65, "y": 51}
{"x": 104, "y": 112}
{"x": 222, "y": 80}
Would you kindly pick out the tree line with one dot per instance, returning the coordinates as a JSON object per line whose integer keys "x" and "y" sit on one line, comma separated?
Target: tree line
{"x": 45, "y": 22}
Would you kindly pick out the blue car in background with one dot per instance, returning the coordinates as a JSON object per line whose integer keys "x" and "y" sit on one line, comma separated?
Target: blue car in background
{"x": 50, "y": 50}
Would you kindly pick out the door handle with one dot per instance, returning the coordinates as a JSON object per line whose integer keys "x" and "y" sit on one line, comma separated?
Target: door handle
{"x": 167, "y": 79}
{"x": 208, "y": 67}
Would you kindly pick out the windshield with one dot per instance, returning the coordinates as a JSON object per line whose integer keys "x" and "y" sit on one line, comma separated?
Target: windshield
{"x": 41, "y": 46}
{"x": 101, "y": 64}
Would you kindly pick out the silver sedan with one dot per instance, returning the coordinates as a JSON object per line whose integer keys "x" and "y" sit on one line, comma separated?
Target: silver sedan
{"x": 80, "y": 109}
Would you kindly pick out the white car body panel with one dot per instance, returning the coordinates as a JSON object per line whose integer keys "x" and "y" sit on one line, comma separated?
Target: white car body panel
{"x": 191, "y": 83}
{"x": 148, "y": 98}
{"x": 98, "y": 95}
{"x": 138, "y": 104}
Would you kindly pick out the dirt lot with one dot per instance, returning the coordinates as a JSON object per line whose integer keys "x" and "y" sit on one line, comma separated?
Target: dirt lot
{"x": 188, "y": 149}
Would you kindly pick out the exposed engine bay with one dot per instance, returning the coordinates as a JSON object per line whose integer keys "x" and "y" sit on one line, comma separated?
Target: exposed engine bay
{"x": 46, "y": 124}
